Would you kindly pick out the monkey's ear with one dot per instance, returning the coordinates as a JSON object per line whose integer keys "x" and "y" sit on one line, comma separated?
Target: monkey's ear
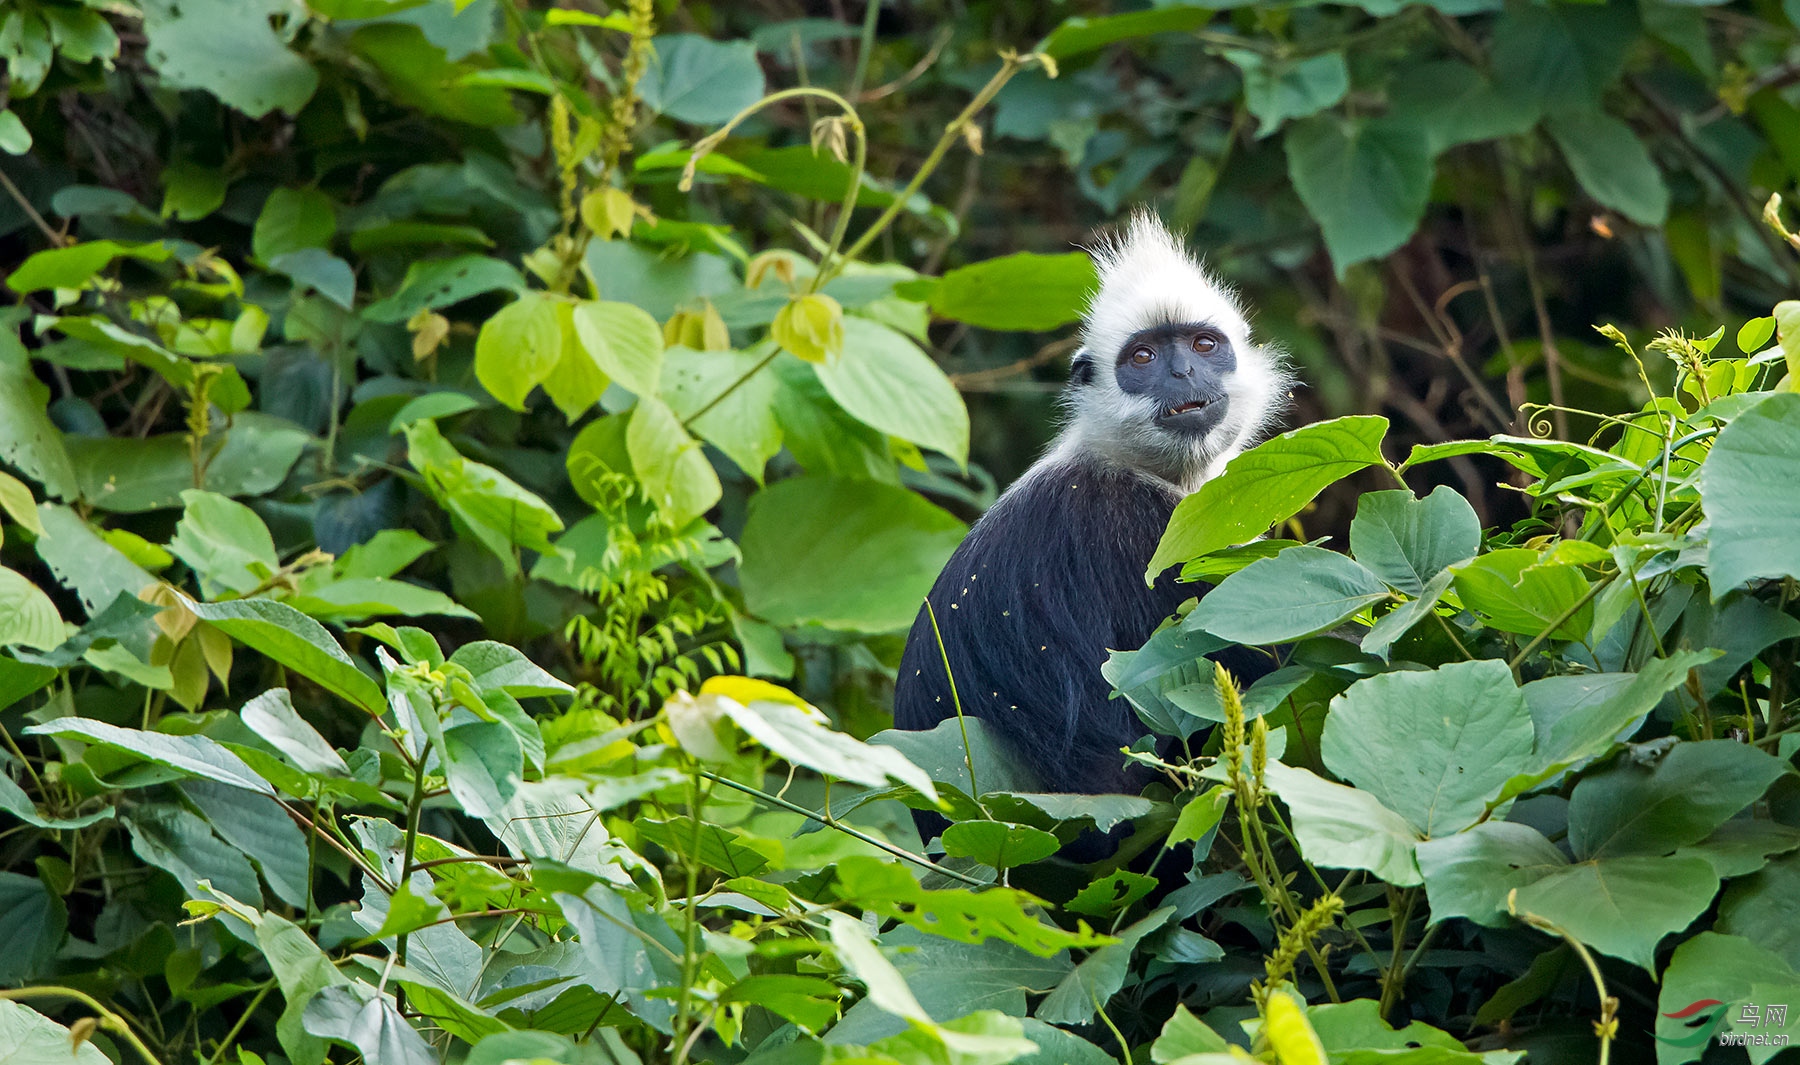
{"x": 1081, "y": 368}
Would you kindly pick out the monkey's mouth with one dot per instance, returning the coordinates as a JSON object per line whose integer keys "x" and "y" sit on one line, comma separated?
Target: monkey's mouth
{"x": 1194, "y": 415}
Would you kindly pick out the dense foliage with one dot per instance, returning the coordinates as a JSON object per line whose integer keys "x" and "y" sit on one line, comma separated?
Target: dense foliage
{"x": 431, "y": 427}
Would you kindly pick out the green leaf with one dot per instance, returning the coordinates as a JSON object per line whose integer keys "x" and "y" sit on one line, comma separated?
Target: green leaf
{"x": 1727, "y": 970}
{"x": 1079, "y": 35}
{"x": 998, "y": 844}
{"x": 1631, "y": 809}
{"x": 956, "y": 913}
{"x": 181, "y": 844}
{"x": 1184, "y": 1034}
{"x": 27, "y": 616}
{"x": 1623, "y": 906}
{"x": 355, "y": 1015}
{"x": 803, "y": 536}
{"x": 1396, "y": 623}
{"x": 224, "y": 542}
{"x": 416, "y": 72}
{"x": 262, "y": 830}
{"x": 14, "y": 801}
{"x": 1558, "y": 59}
{"x": 29, "y": 441}
{"x": 1519, "y": 594}
{"x": 518, "y": 347}
{"x": 33, "y": 921}
{"x": 1455, "y": 104}
{"x": 1408, "y": 541}
{"x": 1578, "y": 717}
{"x": 483, "y": 764}
{"x": 941, "y": 753}
{"x": 124, "y": 475}
{"x": 1751, "y": 517}
{"x": 693, "y": 79}
{"x": 1470, "y": 873}
{"x": 1093, "y": 983}
{"x": 950, "y": 979}
{"x": 1299, "y": 592}
{"x": 437, "y": 283}
{"x": 361, "y": 598}
{"x": 1345, "y": 828}
{"x": 489, "y": 505}
{"x": 624, "y": 340}
{"x": 801, "y": 736}
{"x": 1611, "y": 163}
{"x": 15, "y": 139}
{"x": 189, "y": 755}
{"x": 1275, "y": 91}
{"x": 1433, "y": 746}
{"x": 191, "y": 191}
{"x": 1023, "y": 291}
{"x": 673, "y": 469}
{"x": 1364, "y": 180}
{"x": 273, "y": 718}
{"x": 75, "y": 265}
{"x": 1267, "y": 484}
{"x": 743, "y": 424}
{"x": 1754, "y": 334}
{"x": 321, "y": 271}
{"x": 230, "y": 49}
{"x": 887, "y": 382}
{"x": 297, "y": 642}
{"x": 499, "y": 667}
{"x": 293, "y": 220}
{"x": 29, "y": 1038}
{"x": 1109, "y": 895}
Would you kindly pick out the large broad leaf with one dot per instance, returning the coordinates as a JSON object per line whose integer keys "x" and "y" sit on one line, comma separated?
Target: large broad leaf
{"x": 702, "y": 81}
{"x": 1766, "y": 905}
{"x": 181, "y": 844}
{"x": 1632, "y": 809}
{"x": 261, "y": 829}
{"x": 273, "y": 718}
{"x": 224, "y": 542}
{"x": 97, "y": 571}
{"x": 945, "y": 758}
{"x": 1611, "y": 163}
{"x": 1470, "y": 873}
{"x": 844, "y": 554}
{"x": 624, "y": 340}
{"x": 1578, "y": 717}
{"x": 1299, "y": 592}
{"x": 801, "y": 735}
{"x": 1558, "y": 58}
{"x": 1276, "y": 90}
{"x": 1708, "y": 979}
{"x": 1623, "y": 906}
{"x": 249, "y": 458}
{"x": 498, "y": 667}
{"x": 1747, "y": 488}
{"x": 1407, "y": 541}
{"x": 32, "y": 923}
{"x": 518, "y": 347}
{"x": 230, "y": 49}
{"x": 1453, "y": 103}
{"x": 293, "y": 220}
{"x": 669, "y": 462}
{"x": 1345, "y": 828}
{"x": 27, "y": 1037}
{"x": 297, "y": 642}
{"x": 1023, "y": 291}
{"x": 1433, "y": 746}
{"x": 1267, "y": 484}
{"x": 1099, "y": 976}
{"x": 28, "y": 439}
{"x": 950, "y": 979}
{"x": 887, "y": 382}
{"x": 1364, "y": 180}
{"x": 495, "y": 509}
{"x": 435, "y": 283}
{"x": 355, "y": 1015}
{"x": 76, "y": 264}
{"x": 1518, "y": 593}
{"x": 190, "y": 755}
{"x": 729, "y": 400}
{"x": 27, "y": 616}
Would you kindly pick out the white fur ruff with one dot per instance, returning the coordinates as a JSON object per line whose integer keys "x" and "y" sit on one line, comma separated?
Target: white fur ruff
{"x": 1148, "y": 278}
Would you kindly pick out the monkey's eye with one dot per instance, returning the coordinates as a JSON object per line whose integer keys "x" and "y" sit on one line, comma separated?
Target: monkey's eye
{"x": 1206, "y": 343}
{"x": 1142, "y": 356}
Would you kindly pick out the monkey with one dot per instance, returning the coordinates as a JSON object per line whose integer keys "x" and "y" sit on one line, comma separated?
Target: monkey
{"x": 1166, "y": 386}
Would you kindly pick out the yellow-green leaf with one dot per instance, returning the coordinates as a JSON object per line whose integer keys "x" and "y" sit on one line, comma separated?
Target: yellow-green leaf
{"x": 811, "y": 327}
{"x": 518, "y": 348}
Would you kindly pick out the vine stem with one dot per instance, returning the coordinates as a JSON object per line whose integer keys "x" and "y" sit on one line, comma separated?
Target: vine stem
{"x": 109, "y": 1020}
{"x": 955, "y": 700}
{"x": 1607, "y": 1027}
{"x": 831, "y": 822}
{"x": 231, "y": 1036}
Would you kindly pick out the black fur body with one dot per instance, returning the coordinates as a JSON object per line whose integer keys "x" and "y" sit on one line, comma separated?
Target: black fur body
{"x": 1048, "y": 581}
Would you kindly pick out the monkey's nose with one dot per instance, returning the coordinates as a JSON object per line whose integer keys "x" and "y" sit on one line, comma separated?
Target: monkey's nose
{"x": 1178, "y": 371}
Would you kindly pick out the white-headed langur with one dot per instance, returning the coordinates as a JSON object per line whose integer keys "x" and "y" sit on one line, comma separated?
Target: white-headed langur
{"x": 1166, "y": 387}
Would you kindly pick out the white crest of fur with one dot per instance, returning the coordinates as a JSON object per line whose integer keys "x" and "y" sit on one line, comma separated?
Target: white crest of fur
{"x": 1148, "y": 278}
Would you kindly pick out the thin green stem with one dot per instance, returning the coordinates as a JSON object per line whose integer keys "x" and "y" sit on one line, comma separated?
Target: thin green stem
{"x": 865, "y": 46}
{"x": 231, "y": 1036}
{"x": 955, "y": 699}
{"x": 109, "y": 1020}
{"x": 832, "y": 822}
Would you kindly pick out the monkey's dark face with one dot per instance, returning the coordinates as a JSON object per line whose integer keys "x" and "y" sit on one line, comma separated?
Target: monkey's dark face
{"x": 1183, "y": 368}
